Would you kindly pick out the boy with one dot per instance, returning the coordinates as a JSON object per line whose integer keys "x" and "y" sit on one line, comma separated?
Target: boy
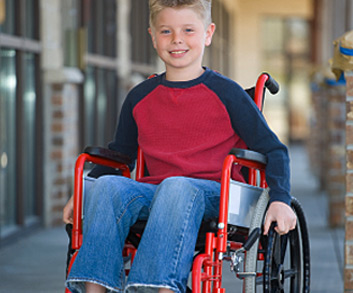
{"x": 186, "y": 120}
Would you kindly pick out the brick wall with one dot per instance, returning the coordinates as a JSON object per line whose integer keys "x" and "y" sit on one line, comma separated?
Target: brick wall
{"x": 327, "y": 145}
{"x": 63, "y": 146}
{"x": 318, "y": 137}
{"x": 61, "y": 143}
{"x": 348, "y": 269}
{"x": 335, "y": 158}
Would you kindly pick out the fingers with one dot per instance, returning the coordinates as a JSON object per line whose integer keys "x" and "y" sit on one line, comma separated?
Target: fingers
{"x": 283, "y": 215}
{"x": 282, "y": 230}
{"x": 267, "y": 224}
{"x": 68, "y": 212}
{"x": 67, "y": 217}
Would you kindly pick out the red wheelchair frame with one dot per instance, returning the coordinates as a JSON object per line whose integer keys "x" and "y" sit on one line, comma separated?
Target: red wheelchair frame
{"x": 207, "y": 266}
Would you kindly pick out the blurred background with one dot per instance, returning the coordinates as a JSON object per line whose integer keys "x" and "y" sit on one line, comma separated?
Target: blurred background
{"x": 66, "y": 66}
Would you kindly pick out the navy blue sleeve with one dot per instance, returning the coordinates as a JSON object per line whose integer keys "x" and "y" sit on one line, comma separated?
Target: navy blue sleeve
{"x": 249, "y": 123}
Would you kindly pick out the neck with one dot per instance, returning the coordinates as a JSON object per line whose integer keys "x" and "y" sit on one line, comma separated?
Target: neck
{"x": 183, "y": 75}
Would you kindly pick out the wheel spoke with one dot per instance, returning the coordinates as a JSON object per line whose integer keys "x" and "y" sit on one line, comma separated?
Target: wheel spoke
{"x": 290, "y": 273}
{"x": 286, "y": 274}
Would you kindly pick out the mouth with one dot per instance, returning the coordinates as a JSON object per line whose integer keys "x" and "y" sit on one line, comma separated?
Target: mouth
{"x": 178, "y": 52}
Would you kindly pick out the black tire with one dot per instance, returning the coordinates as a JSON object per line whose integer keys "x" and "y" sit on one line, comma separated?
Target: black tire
{"x": 287, "y": 258}
{"x": 286, "y": 264}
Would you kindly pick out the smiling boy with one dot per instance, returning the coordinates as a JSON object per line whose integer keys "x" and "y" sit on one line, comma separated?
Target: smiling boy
{"x": 180, "y": 39}
{"x": 185, "y": 120}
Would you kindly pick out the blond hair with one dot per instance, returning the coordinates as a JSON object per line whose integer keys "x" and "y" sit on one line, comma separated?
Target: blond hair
{"x": 201, "y": 7}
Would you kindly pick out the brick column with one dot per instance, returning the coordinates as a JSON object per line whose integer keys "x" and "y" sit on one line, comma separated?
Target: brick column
{"x": 317, "y": 141}
{"x": 336, "y": 154}
{"x": 61, "y": 144}
{"x": 61, "y": 96}
{"x": 327, "y": 144}
{"x": 348, "y": 266}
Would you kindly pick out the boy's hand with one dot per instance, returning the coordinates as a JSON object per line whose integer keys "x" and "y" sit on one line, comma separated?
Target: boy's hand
{"x": 282, "y": 214}
{"x": 68, "y": 211}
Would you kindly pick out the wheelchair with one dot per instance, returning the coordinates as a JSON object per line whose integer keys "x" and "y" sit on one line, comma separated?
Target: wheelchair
{"x": 270, "y": 263}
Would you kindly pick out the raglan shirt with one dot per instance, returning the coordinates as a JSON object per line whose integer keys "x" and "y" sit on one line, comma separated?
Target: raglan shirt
{"x": 187, "y": 129}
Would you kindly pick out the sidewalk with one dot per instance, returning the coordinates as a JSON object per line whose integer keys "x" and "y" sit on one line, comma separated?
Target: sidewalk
{"x": 37, "y": 263}
{"x": 327, "y": 245}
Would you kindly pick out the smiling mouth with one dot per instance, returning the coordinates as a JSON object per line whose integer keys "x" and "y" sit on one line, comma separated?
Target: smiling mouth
{"x": 179, "y": 52}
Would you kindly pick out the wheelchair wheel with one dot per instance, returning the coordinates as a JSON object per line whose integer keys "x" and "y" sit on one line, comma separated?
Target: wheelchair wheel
{"x": 251, "y": 259}
{"x": 281, "y": 263}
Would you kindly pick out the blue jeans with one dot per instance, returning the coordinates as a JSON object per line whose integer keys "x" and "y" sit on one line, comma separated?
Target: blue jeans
{"x": 174, "y": 209}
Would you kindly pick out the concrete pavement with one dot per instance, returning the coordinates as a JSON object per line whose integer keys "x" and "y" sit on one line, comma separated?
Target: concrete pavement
{"x": 37, "y": 263}
{"x": 327, "y": 245}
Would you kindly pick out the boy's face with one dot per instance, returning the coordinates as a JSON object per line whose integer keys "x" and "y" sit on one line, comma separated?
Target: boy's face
{"x": 179, "y": 36}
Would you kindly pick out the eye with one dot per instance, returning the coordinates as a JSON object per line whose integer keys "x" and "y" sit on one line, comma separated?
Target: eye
{"x": 189, "y": 30}
{"x": 165, "y": 32}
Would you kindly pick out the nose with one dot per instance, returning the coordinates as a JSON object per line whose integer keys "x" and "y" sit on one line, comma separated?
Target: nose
{"x": 177, "y": 38}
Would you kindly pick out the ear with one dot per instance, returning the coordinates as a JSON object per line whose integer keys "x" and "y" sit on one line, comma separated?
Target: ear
{"x": 209, "y": 33}
{"x": 152, "y": 37}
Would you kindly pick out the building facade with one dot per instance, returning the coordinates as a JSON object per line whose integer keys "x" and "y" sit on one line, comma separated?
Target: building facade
{"x": 66, "y": 66}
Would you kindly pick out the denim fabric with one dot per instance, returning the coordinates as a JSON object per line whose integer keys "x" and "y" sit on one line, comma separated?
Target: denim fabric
{"x": 174, "y": 209}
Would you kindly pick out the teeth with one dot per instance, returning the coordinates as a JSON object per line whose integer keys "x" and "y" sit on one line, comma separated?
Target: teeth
{"x": 178, "y": 52}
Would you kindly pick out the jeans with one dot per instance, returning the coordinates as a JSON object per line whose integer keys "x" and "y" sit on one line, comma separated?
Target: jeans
{"x": 174, "y": 209}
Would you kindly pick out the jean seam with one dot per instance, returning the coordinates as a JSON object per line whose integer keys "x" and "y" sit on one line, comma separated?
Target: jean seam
{"x": 180, "y": 244}
{"x": 122, "y": 273}
{"x": 126, "y": 208}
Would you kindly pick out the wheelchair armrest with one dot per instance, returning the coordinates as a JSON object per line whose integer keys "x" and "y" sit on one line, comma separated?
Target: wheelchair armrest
{"x": 108, "y": 154}
{"x": 249, "y": 155}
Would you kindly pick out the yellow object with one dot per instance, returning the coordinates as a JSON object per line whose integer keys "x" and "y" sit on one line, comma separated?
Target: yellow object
{"x": 343, "y": 54}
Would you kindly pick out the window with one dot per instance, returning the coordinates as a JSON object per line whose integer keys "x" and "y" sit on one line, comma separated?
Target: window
{"x": 143, "y": 54}
{"x": 20, "y": 117}
{"x": 100, "y": 106}
{"x": 30, "y": 25}
{"x": 99, "y": 103}
{"x": 8, "y": 26}
{"x": 217, "y": 56}
{"x": 101, "y": 25}
{"x": 29, "y": 135}
{"x": 70, "y": 25}
{"x": 286, "y": 53}
{"x": 7, "y": 140}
